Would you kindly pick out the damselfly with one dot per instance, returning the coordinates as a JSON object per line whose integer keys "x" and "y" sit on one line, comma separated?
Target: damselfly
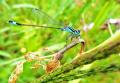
{"x": 73, "y": 32}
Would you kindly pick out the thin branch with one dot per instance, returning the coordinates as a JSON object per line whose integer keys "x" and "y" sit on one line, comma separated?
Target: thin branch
{"x": 55, "y": 62}
{"x": 110, "y": 46}
{"x": 60, "y": 53}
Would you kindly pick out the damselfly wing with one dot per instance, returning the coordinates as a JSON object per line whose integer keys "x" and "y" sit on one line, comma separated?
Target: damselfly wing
{"x": 36, "y": 18}
{"x": 44, "y": 20}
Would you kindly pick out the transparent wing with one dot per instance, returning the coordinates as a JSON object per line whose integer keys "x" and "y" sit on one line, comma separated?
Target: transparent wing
{"x": 43, "y": 18}
{"x": 32, "y": 16}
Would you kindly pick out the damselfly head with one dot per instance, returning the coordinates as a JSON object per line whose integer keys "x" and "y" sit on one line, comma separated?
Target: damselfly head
{"x": 78, "y": 31}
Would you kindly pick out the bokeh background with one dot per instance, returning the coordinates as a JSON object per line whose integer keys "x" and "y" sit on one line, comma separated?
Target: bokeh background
{"x": 86, "y": 15}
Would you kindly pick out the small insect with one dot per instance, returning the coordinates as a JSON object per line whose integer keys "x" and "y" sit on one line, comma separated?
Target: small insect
{"x": 73, "y": 32}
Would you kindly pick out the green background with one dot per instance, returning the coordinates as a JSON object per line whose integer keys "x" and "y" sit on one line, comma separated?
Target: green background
{"x": 15, "y": 41}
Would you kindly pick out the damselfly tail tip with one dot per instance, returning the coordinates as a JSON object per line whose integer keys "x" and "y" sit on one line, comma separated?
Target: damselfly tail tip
{"x": 13, "y": 22}
{"x": 10, "y": 21}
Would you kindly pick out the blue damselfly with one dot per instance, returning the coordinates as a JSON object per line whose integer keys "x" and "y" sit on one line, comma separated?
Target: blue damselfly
{"x": 73, "y": 32}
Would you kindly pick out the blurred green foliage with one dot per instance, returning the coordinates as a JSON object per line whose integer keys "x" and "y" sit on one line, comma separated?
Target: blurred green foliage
{"x": 16, "y": 41}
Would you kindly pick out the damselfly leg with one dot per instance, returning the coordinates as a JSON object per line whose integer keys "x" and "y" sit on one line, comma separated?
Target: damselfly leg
{"x": 67, "y": 38}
